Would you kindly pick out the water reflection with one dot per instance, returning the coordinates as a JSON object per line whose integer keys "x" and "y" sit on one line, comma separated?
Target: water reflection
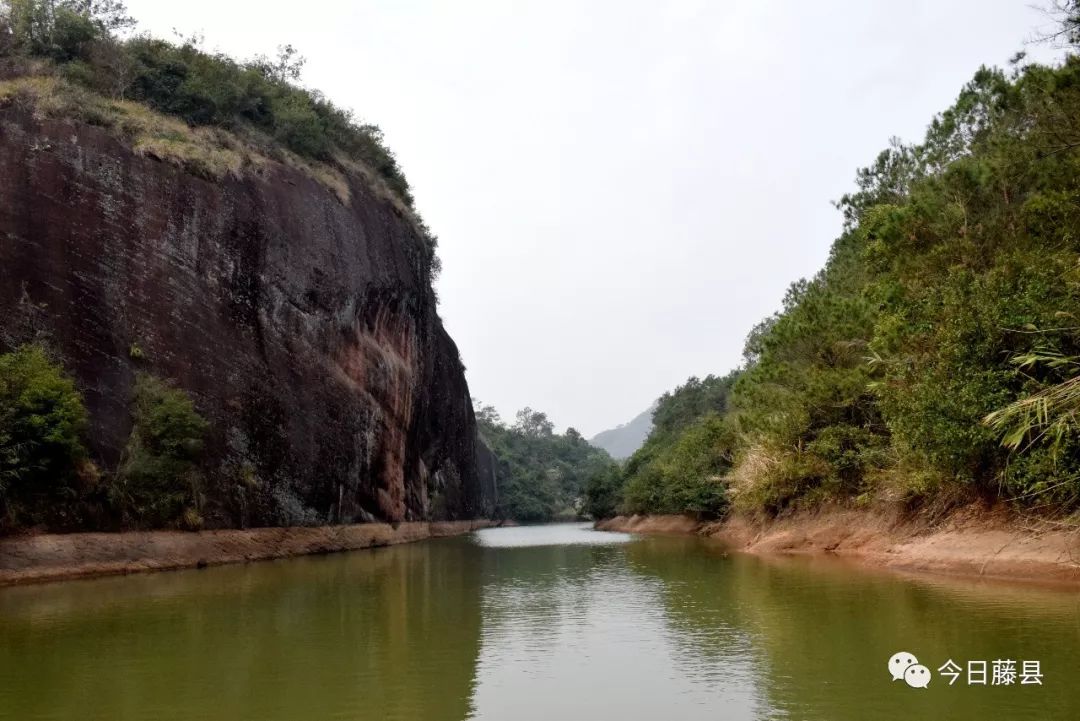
{"x": 387, "y": 634}
{"x": 821, "y": 632}
{"x": 572, "y": 632}
{"x": 561, "y": 534}
{"x": 527, "y": 623}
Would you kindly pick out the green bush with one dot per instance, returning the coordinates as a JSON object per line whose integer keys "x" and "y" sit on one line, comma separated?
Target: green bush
{"x": 298, "y": 127}
{"x": 213, "y": 89}
{"x": 603, "y": 493}
{"x": 42, "y": 421}
{"x": 159, "y": 482}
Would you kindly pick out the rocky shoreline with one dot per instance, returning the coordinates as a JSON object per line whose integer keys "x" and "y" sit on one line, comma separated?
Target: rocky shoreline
{"x": 54, "y": 557}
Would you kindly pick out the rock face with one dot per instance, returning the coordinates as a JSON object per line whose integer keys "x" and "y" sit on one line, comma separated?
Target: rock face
{"x": 304, "y": 327}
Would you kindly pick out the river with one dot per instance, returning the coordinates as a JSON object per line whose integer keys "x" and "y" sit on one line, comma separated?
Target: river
{"x": 548, "y": 622}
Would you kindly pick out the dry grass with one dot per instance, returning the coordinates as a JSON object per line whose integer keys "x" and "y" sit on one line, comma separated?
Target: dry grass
{"x": 197, "y": 150}
{"x": 210, "y": 153}
{"x": 378, "y": 186}
{"x": 753, "y": 471}
{"x": 766, "y": 478}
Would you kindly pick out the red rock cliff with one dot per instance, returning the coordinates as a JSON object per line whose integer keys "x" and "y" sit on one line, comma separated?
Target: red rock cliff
{"x": 304, "y": 326}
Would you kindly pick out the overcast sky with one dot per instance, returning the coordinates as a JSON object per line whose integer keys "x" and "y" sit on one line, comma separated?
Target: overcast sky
{"x": 622, "y": 189}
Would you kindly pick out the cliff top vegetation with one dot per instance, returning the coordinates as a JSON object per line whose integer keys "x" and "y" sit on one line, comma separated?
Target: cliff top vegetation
{"x": 175, "y": 101}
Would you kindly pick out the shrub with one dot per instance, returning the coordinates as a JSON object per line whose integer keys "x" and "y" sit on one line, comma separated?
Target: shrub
{"x": 298, "y": 127}
{"x": 603, "y": 493}
{"x": 42, "y": 421}
{"x": 159, "y": 482}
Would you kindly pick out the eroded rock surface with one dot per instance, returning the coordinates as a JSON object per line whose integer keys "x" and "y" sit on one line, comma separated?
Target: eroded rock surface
{"x": 304, "y": 327}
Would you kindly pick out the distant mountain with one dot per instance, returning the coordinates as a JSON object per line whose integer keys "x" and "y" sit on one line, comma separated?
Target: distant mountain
{"x": 622, "y": 441}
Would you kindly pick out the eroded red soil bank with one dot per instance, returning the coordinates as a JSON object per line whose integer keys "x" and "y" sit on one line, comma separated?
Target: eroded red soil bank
{"x": 968, "y": 542}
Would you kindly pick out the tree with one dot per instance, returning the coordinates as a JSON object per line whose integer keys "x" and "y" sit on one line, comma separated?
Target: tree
{"x": 486, "y": 414}
{"x": 541, "y": 474}
{"x": 1066, "y": 15}
{"x": 286, "y": 67}
{"x": 61, "y": 29}
{"x": 109, "y": 15}
{"x": 681, "y": 472}
{"x": 533, "y": 423}
{"x": 603, "y": 493}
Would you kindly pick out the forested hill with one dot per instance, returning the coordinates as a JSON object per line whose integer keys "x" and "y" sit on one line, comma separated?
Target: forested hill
{"x": 542, "y": 474}
{"x": 935, "y": 359}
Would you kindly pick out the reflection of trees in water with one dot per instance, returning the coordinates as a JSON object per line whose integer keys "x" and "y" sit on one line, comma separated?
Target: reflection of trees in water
{"x": 396, "y": 634}
{"x": 386, "y": 634}
{"x": 534, "y": 594}
{"x": 823, "y": 632}
{"x": 715, "y": 648}
{"x": 549, "y": 606}
{"x": 570, "y": 632}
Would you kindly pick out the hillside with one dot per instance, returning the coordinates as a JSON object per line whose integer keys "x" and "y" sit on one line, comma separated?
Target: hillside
{"x": 621, "y": 442}
{"x": 933, "y": 361}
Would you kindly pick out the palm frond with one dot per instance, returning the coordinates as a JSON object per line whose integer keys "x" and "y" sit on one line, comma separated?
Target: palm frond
{"x": 1049, "y": 415}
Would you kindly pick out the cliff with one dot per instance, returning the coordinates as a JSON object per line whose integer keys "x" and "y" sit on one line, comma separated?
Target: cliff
{"x": 298, "y": 314}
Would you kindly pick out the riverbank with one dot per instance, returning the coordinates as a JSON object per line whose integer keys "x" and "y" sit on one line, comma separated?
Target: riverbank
{"x": 968, "y": 542}
{"x": 53, "y": 557}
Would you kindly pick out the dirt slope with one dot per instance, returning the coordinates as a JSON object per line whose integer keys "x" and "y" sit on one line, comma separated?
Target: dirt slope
{"x": 968, "y": 542}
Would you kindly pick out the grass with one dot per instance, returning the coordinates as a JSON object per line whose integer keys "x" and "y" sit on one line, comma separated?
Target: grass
{"x": 210, "y": 153}
{"x": 201, "y": 151}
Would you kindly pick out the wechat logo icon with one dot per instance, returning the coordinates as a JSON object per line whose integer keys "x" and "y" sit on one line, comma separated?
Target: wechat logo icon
{"x": 903, "y": 666}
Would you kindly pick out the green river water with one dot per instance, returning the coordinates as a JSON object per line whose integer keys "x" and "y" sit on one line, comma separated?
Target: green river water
{"x": 545, "y": 623}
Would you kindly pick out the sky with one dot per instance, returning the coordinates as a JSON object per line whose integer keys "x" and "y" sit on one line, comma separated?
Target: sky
{"x": 622, "y": 189}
